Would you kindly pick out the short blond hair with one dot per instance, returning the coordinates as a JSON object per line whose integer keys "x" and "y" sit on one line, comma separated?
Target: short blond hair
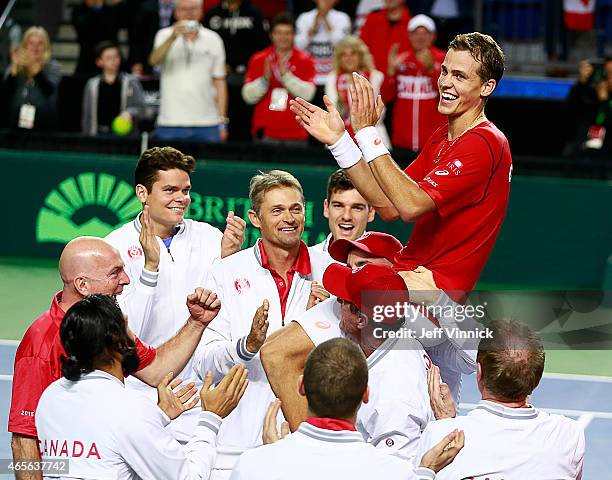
{"x": 354, "y": 43}
{"x": 266, "y": 181}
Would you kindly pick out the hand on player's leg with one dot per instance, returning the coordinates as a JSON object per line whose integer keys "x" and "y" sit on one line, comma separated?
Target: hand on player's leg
{"x": 440, "y": 397}
{"x": 444, "y": 452}
{"x": 421, "y": 285}
{"x": 270, "y": 432}
{"x": 326, "y": 126}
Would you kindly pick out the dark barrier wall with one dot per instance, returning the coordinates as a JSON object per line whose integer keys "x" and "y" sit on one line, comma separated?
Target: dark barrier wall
{"x": 557, "y": 233}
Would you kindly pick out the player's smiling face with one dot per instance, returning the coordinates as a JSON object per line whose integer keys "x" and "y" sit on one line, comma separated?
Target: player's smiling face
{"x": 461, "y": 88}
{"x": 348, "y": 214}
{"x": 280, "y": 217}
{"x": 169, "y": 197}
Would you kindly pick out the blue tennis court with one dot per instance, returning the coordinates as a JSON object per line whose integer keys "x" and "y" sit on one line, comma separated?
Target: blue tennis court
{"x": 587, "y": 399}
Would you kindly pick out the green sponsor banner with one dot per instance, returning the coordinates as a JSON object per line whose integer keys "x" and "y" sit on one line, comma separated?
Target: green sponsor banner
{"x": 557, "y": 233}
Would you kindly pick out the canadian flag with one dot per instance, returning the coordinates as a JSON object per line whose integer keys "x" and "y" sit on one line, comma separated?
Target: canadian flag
{"x": 579, "y": 14}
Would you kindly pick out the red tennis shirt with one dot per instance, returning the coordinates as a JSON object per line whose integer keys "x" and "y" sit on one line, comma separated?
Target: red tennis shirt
{"x": 38, "y": 364}
{"x": 469, "y": 181}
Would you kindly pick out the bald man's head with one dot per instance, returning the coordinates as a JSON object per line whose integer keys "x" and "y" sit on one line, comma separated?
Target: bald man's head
{"x": 89, "y": 265}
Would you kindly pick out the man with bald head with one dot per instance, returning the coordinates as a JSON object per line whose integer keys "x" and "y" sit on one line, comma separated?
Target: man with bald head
{"x": 87, "y": 265}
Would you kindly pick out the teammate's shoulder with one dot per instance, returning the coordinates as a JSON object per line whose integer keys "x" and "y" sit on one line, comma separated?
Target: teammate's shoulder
{"x": 39, "y": 338}
{"x": 562, "y": 422}
{"x": 124, "y": 232}
{"x": 202, "y": 228}
{"x": 240, "y": 260}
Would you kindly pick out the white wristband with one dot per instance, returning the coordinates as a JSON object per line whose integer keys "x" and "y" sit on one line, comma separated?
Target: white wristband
{"x": 370, "y": 143}
{"x": 345, "y": 151}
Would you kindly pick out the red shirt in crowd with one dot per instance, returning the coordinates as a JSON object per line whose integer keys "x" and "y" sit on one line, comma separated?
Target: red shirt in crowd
{"x": 415, "y": 92}
{"x": 38, "y": 364}
{"x": 270, "y": 117}
{"x": 469, "y": 181}
{"x": 301, "y": 265}
{"x": 379, "y": 34}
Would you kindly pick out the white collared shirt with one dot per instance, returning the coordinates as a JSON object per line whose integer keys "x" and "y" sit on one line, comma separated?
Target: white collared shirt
{"x": 109, "y": 432}
{"x": 399, "y": 409}
{"x": 155, "y": 302}
{"x": 316, "y": 453}
{"x": 511, "y": 444}
{"x": 242, "y": 283}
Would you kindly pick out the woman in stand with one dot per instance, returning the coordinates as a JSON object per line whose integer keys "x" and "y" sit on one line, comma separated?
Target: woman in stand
{"x": 29, "y": 88}
{"x": 352, "y": 55}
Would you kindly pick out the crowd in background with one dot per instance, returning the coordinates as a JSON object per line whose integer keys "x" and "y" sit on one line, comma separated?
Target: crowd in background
{"x": 227, "y": 70}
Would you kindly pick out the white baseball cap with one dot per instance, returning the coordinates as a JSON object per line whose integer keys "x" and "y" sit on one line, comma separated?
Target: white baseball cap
{"x": 421, "y": 20}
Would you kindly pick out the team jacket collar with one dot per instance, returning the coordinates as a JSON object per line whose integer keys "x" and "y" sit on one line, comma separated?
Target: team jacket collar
{"x": 301, "y": 265}
{"x": 100, "y": 375}
{"x": 332, "y": 436}
{"x": 328, "y": 240}
{"x": 138, "y": 226}
{"x": 382, "y": 350}
{"x": 56, "y": 312}
{"x": 526, "y": 413}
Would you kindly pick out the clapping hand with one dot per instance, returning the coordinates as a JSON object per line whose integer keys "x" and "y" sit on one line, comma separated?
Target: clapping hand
{"x": 365, "y": 109}
{"x": 148, "y": 241}
{"x": 172, "y": 402}
{"x": 326, "y": 126}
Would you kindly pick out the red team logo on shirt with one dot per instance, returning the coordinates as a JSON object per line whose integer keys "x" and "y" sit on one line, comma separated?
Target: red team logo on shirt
{"x": 241, "y": 284}
{"x": 134, "y": 252}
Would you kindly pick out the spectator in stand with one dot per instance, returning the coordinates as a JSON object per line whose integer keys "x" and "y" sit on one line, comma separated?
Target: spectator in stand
{"x": 148, "y": 16}
{"x": 28, "y": 94}
{"x": 95, "y": 22}
{"x": 451, "y": 17}
{"x": 364, "y": 8}
{"x": 412, "y": 84}
{"x": 590, "y": 109}
{"x": 384, "y": 28}
{"x": 193, "y": 89}
{"x": 110, "y": 94}
{"x": 241, "y": 27}
{"x": 274, "y": 76}
{"x": 318, "y": 31}
{"x": 10, "y": 38}
{"x": 352, "y": 55}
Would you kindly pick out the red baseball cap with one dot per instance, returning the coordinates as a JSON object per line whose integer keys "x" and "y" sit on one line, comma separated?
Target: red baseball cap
{"x": 366, "y": 287}
{"x": 378, "y": 244}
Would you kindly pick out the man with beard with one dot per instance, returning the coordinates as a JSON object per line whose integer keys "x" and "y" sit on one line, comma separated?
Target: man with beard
{"x": 119, "y": 434}
{"x": 87, "y": 265}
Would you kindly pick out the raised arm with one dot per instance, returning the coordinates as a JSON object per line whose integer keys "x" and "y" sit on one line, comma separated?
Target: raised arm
{"x": 328, "y": 128}
{"x": 410, "y": 201}
{"x": 173, "y": 355}
{"x": 283, "y": 357}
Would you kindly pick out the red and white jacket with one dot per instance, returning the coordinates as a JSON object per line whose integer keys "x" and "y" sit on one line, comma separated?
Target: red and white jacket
{"x": 414, "y": 89}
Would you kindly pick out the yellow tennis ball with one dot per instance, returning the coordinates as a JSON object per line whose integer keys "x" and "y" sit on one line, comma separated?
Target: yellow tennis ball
{"x": 122, "y": 126}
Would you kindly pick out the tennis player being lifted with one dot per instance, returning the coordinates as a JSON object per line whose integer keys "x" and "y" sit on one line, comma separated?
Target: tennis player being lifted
{"x": 457, "y": 189}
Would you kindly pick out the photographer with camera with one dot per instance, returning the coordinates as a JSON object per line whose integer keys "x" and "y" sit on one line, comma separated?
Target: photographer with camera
{"x": 193, "y": 89}
{"x": 590, "y": 108}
